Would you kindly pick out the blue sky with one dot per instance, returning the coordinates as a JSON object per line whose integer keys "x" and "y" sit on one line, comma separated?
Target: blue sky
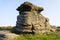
{"x": 8, "y": 13}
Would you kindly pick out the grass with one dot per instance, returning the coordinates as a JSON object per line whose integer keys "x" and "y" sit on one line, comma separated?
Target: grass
{"x": 45, "y": 36}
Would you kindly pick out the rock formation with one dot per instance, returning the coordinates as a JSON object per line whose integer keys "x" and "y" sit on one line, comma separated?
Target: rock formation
{"x": 30, "y": 19}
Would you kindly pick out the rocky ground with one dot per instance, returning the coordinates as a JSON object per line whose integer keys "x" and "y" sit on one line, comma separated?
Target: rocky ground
{"x": 7, "y": 35}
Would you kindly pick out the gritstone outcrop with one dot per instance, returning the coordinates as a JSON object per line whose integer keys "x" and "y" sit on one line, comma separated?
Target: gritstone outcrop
{"x": 30, "y": 19}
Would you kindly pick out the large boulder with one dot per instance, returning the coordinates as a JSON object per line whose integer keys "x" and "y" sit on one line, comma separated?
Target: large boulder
{"x": 30, "y": 19}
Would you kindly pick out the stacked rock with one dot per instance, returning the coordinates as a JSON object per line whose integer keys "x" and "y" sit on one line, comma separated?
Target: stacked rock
{"x": 30, "y": 19}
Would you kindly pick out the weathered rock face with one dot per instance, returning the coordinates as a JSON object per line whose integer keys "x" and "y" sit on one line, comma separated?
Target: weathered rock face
{"x": 30, "y": 19}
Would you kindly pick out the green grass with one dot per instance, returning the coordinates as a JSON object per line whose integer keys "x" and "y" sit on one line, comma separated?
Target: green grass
{"x": 45, "y": 36}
